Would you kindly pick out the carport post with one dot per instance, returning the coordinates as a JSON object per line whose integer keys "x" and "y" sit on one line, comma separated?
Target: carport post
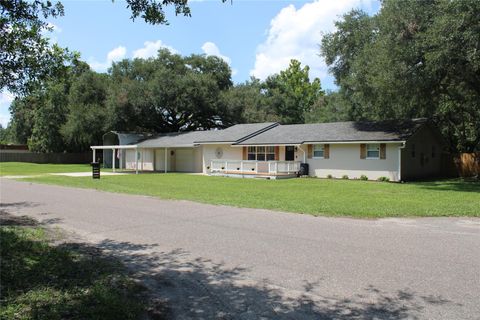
{"x": 166, "y": 159}
{"x": 136, "y": 160}
{"x": 120, "y": 153}
{"x": 143, "y": 156}
{"x": 113, "y": 160}
{"x": 93, "y": 149}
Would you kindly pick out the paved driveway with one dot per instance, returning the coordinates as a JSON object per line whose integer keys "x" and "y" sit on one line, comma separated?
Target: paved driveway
{"x": 222, "y": 262}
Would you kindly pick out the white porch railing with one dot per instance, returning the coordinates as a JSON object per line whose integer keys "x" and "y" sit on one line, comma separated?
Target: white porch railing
{"x": 254, "y": 167}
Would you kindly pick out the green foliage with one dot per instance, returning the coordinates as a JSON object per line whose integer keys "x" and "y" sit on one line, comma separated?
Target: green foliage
{"x": 363, "y": 177}
{"x": 383, "y": 179}
{"x": 26, "y": 56}
{"x": 168, "y": 93}
{"x": 329, "y": 176}
{"x": 47, "y": 120}
{"x": 412, "y": 59}
{"x": 247, "y": 103}
{"x": 153, "y": 11}
{"x": 292, "y": 93}
{"x": 44, "y": 282}
{"x": 86, "y": 115}
{"x": 5, "y": 135}
{"x": 345, "y": 177}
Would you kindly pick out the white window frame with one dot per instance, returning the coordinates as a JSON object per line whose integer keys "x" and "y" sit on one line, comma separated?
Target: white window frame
{"x": 322, "y": 149}
{"x": 372, "y": 147}
{"x": 265, "y": 151}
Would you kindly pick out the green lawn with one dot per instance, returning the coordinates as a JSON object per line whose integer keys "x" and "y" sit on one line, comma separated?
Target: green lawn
{"x": 309, "y": 195}
{"x": 68, "y": 281}
{"x": 28, "y": 169}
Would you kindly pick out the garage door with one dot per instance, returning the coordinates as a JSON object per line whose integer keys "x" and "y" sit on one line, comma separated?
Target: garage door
{"x": 184, "y": 160}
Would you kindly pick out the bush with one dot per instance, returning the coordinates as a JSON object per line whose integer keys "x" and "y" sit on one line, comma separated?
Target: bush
{"x": 363, "y": 177}
{"x": 345, "y": 177}
{"x": 383, "y": 179}
{"x": 329, "y": 176}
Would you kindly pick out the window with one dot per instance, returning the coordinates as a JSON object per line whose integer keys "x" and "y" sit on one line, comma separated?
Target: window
{"x": 270, "y": 152}
{"x": 373, "y": 151}
{"x": 261, "y": 153}
{"x": 318, "y": 150}
{"x": 252, "y": 153}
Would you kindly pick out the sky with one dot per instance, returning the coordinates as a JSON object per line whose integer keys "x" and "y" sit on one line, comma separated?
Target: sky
{"x": 255, "y": 37}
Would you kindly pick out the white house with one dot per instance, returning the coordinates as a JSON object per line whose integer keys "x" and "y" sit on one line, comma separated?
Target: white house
{"x": 398, "y": 150}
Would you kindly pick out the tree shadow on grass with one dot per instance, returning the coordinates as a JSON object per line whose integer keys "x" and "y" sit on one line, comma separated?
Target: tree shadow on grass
{"x": 462, "y": 185}
{"x": 44, "y": 281}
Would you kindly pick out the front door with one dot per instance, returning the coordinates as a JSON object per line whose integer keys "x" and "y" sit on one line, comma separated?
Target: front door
{"x": 289, "y": 153}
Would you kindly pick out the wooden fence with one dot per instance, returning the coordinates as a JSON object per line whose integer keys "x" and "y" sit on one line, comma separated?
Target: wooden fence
{"x": 468, "y": 164}
{"x": 33, "y": 157}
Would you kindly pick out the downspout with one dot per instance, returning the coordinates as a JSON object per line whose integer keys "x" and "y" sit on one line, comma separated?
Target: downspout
{"x": 136, "y": 160}
{"x": 166, "y": 159}
{"x": 304, "y": 153}
{"x": 402, "y": 146}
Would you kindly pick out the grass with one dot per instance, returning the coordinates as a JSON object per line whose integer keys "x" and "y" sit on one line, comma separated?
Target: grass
{"x": 43, "y": 281}
{"x": 311, "y": 196}
{"x": 28, "y": 169}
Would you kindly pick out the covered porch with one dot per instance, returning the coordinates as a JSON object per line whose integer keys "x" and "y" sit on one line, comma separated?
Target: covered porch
{"x": 253, "y": 168}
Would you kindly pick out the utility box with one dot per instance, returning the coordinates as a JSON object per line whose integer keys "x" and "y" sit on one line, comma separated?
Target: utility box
{"x": 96, "y": 170}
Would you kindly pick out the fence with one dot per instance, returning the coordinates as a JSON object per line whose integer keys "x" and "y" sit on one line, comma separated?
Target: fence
{"x": 66, "y": 158}
{"x": 468, "y": 164}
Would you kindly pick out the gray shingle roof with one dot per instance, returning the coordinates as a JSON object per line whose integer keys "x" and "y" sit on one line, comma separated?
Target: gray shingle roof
{"x": 176, "y": 139}
{"x": 337, "y": 132}
{"x": 188, "y": 139}
{"x": 238, "y": 132}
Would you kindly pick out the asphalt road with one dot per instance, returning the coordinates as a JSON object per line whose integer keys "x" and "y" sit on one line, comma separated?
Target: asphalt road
{"x": 216, "y": 262}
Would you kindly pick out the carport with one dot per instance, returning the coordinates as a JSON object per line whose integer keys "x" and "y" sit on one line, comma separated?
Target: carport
{"x": 138, "y": 151}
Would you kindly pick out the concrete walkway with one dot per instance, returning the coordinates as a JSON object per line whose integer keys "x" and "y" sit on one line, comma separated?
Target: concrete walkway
{"x": 216, "y": 262}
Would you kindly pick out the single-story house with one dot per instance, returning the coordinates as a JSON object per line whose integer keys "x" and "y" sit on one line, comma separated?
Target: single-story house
{"x": 397, "y": 150}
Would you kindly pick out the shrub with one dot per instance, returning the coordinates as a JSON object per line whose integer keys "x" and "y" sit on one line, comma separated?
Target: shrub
{"x": 329, "y": 176}
{"x": 383, "y": 179}
{"x": 363, "y": 177}
{"x": 345, "y": 177}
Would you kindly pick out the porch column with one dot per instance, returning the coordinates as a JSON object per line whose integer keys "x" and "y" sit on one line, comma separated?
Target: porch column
{"x": 136, "y": 160}
{"x": 113, "y": 159}
{"x": 166, "y": 159}
{"x": 120, "y": 151}
{"x": 93, "y": 155}
{"x": 143, "y": 157}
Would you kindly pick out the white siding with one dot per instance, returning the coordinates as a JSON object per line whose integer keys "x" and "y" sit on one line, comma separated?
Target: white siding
{"x": 147, "y": 156}
{"x": 229, "y": 153}
{"x": 184, "y": 160}
{"x": 130, "y": 159}
{"x": 345, "y": 160}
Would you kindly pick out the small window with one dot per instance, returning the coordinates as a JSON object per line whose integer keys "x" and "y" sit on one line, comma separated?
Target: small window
{"x": 433, "y": 151}
{"x": 373, "y": 151}
{"x": 413, "y": 151}
{"x": 318, "y": 150}
{"x": 252, "y": 153}
{"x": 270, "y": 153}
